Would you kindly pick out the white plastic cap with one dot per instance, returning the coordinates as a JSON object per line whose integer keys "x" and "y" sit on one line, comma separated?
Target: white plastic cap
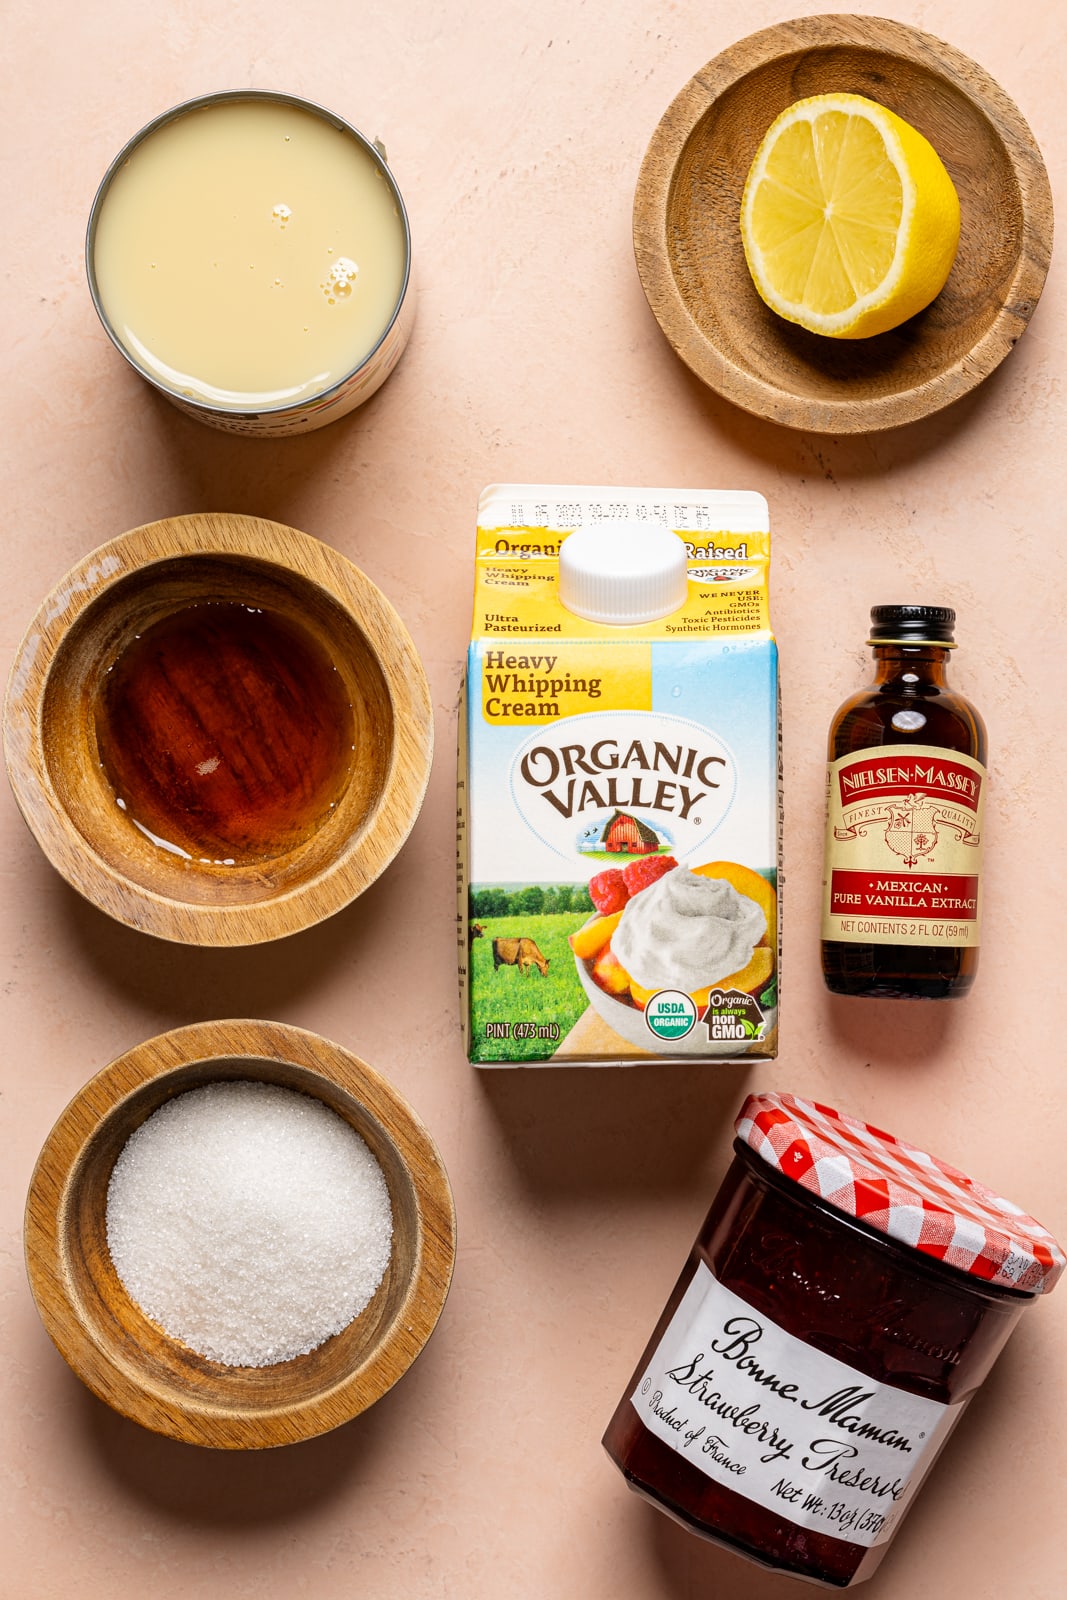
{"x": 624, "y": 573}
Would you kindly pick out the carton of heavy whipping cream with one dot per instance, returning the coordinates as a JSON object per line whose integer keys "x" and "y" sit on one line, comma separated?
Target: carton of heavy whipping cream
{"x": 619, "y": 779}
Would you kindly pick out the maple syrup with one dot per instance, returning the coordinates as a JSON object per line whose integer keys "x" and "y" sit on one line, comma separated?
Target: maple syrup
{"x": 905, "y": 796}
{"x": 226, "y": 733}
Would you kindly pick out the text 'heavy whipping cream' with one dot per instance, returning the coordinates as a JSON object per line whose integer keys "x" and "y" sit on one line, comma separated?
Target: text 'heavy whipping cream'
{"x": 618, "y": 820}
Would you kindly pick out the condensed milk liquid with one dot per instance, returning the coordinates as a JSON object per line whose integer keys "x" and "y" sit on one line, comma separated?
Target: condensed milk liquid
{"x": 249, "y": 254}
{"x": 906, "y": 786}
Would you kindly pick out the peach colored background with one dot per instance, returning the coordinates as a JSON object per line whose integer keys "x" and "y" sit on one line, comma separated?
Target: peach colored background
{"x": 516, "y": 134}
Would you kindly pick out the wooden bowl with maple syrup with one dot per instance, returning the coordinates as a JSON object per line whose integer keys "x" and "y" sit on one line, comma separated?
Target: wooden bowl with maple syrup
{"x": 128, "y": 1360}
{"x": 218, "y": 730}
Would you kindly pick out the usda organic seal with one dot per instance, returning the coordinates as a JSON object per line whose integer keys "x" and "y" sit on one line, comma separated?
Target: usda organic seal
{"x": 670, "y": 1014}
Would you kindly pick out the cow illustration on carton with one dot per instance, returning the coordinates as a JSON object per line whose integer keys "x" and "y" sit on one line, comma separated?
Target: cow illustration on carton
{"x": 522, "y": 953}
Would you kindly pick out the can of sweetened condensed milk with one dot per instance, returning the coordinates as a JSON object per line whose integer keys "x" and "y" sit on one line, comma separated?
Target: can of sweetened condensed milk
{"x": 249, "y": 254}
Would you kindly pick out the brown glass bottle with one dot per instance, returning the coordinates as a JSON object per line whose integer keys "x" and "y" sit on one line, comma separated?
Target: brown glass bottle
{"x": 901, "y": 895}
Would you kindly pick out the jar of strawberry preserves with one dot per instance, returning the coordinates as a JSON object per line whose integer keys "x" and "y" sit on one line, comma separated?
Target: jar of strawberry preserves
{"x": 845, "y": 1298}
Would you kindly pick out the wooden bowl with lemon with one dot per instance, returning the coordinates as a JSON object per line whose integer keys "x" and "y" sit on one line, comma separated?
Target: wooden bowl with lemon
{"x": 842, "y": 224}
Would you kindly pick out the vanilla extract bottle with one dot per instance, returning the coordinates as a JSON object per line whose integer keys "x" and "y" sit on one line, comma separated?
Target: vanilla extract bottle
{"x": 906, "y": 786}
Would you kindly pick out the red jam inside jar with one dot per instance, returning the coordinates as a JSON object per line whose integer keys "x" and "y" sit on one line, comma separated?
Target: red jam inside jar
{"x": 803, "y": 1377}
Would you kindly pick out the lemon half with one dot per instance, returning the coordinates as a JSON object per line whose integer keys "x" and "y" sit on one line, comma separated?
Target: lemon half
{"x": 849, "y": 220}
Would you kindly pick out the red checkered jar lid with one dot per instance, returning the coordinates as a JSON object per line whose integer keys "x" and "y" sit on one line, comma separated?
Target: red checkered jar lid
{"x": 900, "y": 1191}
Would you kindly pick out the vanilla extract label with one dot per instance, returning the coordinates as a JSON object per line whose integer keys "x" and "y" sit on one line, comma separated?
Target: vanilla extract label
{"x": 801, "y": 1434}
{"x": 904, "y": 848}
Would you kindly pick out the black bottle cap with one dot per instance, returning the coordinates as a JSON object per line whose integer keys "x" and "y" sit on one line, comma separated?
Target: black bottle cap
{"x": 913, "y": 625}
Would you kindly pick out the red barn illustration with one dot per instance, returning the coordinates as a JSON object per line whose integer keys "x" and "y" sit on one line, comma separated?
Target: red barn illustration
{"x": 627, "y": 835}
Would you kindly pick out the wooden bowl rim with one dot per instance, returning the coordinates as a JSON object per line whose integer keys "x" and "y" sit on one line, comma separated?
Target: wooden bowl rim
{"x": 361, "y": 860}
{"x": 117, "y": 1382}
{"x": 656, "y": 179}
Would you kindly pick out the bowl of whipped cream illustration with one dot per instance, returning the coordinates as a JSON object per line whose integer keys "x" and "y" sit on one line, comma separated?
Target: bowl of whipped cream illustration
{"x": 683, "y": 961}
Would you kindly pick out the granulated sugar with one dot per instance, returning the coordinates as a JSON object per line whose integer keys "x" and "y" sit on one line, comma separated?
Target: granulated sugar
{"x": 249, "y": 1221}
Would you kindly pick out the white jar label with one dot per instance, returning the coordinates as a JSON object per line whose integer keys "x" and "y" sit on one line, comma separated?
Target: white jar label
{"x": 903, "y": 862}
{"x": 810, "y": 1439}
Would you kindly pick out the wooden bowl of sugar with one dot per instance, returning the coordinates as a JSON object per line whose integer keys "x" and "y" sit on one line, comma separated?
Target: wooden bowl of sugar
{"x": 218, "y": 729}
{"x": 223, "y": 1084}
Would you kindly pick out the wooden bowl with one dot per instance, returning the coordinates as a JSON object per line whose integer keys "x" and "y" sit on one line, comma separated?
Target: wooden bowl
{"x": 127, "y": 1360}
{"x": 52, "y": 746}
{"x": 688, "y": 242}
